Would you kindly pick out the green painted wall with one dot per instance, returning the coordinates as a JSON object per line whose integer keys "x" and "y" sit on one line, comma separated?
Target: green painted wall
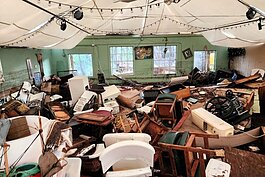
{"x": 14, "y": 65}
{"x": 15, "y": 70}
{"x": 143, "y": 72}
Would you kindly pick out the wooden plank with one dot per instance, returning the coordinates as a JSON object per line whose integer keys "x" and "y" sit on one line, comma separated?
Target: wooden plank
{"x": 245, "y": 163}
{"x": 185, "y": 115}
{"x": 247, "y": 79}
{"x": 256, "y": 84}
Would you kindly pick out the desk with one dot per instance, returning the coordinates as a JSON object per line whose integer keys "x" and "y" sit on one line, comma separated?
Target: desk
{"x": 98, "y": 126}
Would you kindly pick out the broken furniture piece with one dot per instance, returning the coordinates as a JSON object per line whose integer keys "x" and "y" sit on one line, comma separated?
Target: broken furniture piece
{"x": 229, "y": 107}
{"x": 58, "y": 111}
{"x": 152, "y": 128}
{"x": 15, "y": 108}
{"x": 151, "y": 95}
{"x": 126, "y": 81}
{"x": 179, "y": 147}
{"x": 99, "y": 90}
{"x": 87, "y": 98}
{"x": 100, "y": 120}
{"x": 164, "y": 109}
{"x": 178, "y": 89}
{"x": 245, "y": 80}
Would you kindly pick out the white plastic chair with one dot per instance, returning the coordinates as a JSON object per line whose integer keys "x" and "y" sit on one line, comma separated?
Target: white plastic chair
{"x": 112, "y": 138}
{"x": 137, "y": 159}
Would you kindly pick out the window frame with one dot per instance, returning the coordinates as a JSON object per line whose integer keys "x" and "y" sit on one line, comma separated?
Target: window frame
{"x": 111, "y": 61}
{"x": 69, "y": 62}
{"x": 208, "y": 69}
{"x": 168, "y": 67}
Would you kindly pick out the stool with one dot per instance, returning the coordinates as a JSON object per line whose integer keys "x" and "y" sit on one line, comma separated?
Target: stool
{"x": 98, "y": 89}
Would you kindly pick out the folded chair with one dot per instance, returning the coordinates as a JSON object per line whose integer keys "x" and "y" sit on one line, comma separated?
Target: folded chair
{"x": 137, "y": 159}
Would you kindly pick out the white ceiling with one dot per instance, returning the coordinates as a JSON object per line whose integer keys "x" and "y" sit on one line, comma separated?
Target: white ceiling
{"x": 36, "y": 23}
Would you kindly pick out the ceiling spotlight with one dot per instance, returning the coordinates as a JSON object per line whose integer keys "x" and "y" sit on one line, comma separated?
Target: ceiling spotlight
{"x": 168, "y": 2}
{"x": 251, "y": 13}
{"x": 260, "y": 25}
{"x": 78, "y": 14}
{"x": 63, "y": 25}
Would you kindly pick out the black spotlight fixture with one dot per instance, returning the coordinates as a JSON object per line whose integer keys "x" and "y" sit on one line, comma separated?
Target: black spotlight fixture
{"x": 63, "y": 25}
{"x": 260, "y": 25}
{"x": 78, "y": 14}
{"x": 251, "y": 13}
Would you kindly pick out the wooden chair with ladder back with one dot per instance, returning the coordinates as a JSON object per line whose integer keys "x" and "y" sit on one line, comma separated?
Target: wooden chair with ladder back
{"x": 179, "y": 155}
{"x": 164, "y": 109}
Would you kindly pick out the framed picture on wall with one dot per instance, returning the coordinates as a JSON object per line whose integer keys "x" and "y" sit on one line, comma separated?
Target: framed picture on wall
{"x": 143, "y": 52}
{"x": 187, "y": 53}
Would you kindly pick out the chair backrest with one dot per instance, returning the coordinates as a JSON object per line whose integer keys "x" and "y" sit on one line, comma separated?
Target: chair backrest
{"x": 129, "y": 150}
{"x": 112, "y": 138}
{"x": 165, "y": 106}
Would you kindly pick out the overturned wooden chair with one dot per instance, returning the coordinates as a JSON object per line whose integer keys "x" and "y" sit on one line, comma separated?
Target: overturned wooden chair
{"x": 164, "y": 109}
{"x": 184, "y": 158}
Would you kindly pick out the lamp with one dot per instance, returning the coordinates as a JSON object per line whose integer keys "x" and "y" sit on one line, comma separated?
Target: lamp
{"x": 251, "y": 13}
{"x": 63, "y": 25}
{"x": 78, "y": 14}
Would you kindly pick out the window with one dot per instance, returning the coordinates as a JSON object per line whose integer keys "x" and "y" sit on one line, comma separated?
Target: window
{"x": 165, "y": 59}
{"x": 82, "y": 63}
{"x": 121, "y": 60}
{"x": 205, "y": 60}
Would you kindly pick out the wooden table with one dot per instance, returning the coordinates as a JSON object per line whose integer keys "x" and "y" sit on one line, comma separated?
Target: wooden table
{"x": 101, "y": 125}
